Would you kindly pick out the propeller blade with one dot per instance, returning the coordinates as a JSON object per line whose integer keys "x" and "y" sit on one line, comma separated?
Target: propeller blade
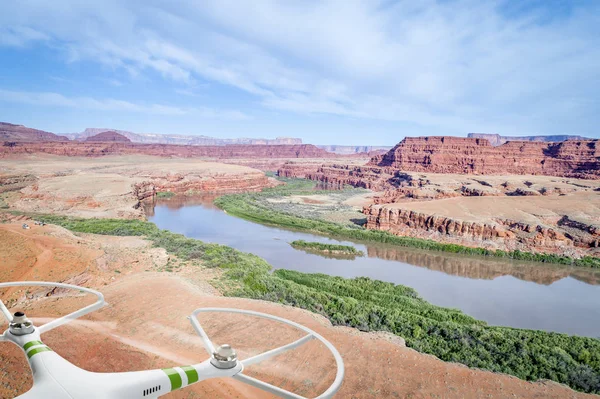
{"x": 65, "y": 319}
{"x": 266, "y": 387}
{"x": 274, "y": 352}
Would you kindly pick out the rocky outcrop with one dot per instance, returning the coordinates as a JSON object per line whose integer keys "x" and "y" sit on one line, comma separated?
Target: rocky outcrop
{"x": 179, "y": 139}
{"x": 496, "y": 139}
{"x": 496, "y": 234}
{"x": 190, "y": 183}
{"x": 109, "y": 137}
{"x": 13, "y": 133}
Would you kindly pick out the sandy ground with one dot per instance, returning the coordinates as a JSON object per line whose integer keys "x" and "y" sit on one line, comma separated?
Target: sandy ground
{"x": 103, "y": 187}
{"x": 145, "y": 326}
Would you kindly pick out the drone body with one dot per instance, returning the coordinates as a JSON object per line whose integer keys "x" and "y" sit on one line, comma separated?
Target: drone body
{"x": 56, "y": 378}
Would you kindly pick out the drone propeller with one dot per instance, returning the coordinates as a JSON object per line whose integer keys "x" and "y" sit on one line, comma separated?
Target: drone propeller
{"x": 57, "y": 378}
{"x": 208, "y": 345}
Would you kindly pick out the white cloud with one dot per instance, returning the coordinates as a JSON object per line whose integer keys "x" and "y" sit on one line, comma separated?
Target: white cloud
{"x": 109, "y": 104}
{"x": 19, "y": 36}
{"x": 454, "y": 66}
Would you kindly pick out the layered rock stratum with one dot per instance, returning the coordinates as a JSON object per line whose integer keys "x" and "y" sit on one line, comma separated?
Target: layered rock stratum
{"x": 477, "y": 156}
{"x": 119, "y": 148}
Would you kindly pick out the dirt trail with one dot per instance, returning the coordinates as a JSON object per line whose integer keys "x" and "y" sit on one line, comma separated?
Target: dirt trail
{"x": 145, "y": 326}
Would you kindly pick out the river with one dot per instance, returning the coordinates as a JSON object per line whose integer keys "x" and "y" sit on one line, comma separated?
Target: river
{"x": 501, "y": 292}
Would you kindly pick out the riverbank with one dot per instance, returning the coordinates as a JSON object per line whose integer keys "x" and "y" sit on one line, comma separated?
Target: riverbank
{"x": 257, "y": 207}
{"x": 141, "y": 330}
{"x": 371, "y": 305}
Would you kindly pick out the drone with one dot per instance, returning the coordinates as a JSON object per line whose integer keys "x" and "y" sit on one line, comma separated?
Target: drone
{"x": 56, "y": 378}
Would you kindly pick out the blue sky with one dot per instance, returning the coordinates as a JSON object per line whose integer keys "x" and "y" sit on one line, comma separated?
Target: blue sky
{"x": 330, "y": 72}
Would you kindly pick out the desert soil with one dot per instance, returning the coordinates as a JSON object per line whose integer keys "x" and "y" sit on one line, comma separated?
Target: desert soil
{"x": 145, "y": 326}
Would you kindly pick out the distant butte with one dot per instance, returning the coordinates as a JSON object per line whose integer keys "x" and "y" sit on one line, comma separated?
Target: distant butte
{"x": 11, "y": 133}
{"x": 110, "y": 136}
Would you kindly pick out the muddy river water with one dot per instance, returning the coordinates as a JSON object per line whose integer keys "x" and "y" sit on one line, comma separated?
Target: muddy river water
{"x": 507, "y": 293}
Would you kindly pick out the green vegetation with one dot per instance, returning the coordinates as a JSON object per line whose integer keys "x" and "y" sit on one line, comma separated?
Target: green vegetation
{"x": 165, "y": 194}
{"x": 329, "y": 248}
{"x": 254, "y": 207}
{"x": 375, "y": 305}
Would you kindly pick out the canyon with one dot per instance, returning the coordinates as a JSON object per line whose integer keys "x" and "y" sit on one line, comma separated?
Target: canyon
{"x": 418, "y": 180}
{"x": 448, "y": 155}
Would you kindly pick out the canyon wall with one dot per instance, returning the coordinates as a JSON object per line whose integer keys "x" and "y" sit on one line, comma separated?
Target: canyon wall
{"x": 494, "y": 234}
{"x": 477, "y": 156}
{"x": 453, "y": 155}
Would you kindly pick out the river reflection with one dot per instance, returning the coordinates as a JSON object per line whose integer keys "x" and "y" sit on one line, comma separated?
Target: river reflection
{"x": 501, "y": 292}
{"x": 483, "y": 268}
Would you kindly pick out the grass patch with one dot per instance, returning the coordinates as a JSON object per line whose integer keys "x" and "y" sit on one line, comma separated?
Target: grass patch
{"x": 254, "y": 207}
{"x": 327, "y": 248}
{"x": 165, "y": 194}
{"x": 372, "y": 305}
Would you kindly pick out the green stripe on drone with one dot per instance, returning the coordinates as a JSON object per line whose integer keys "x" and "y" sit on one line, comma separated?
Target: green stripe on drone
{"x": 191, "y": 373}
{"x": 35, "y": 351}
{"x": 32, "y": 343}
{"x": 174, "y": 377}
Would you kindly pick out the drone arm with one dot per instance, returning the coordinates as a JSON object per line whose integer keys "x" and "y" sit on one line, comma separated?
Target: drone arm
{"x": 154, "y": 383}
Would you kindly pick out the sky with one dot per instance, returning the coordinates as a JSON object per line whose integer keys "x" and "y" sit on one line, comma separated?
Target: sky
{"x": 352, "y": 72}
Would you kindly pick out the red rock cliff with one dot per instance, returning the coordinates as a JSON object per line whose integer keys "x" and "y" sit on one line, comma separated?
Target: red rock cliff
{"x": 477, "y": 156}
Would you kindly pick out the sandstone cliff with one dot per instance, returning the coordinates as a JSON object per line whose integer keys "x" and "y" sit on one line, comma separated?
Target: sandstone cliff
{"x": 502, "y": 234}
{"x": 478, "y": 156}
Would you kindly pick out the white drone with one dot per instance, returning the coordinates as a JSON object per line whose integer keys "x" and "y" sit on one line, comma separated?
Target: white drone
{"x": 56, "y": 378}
